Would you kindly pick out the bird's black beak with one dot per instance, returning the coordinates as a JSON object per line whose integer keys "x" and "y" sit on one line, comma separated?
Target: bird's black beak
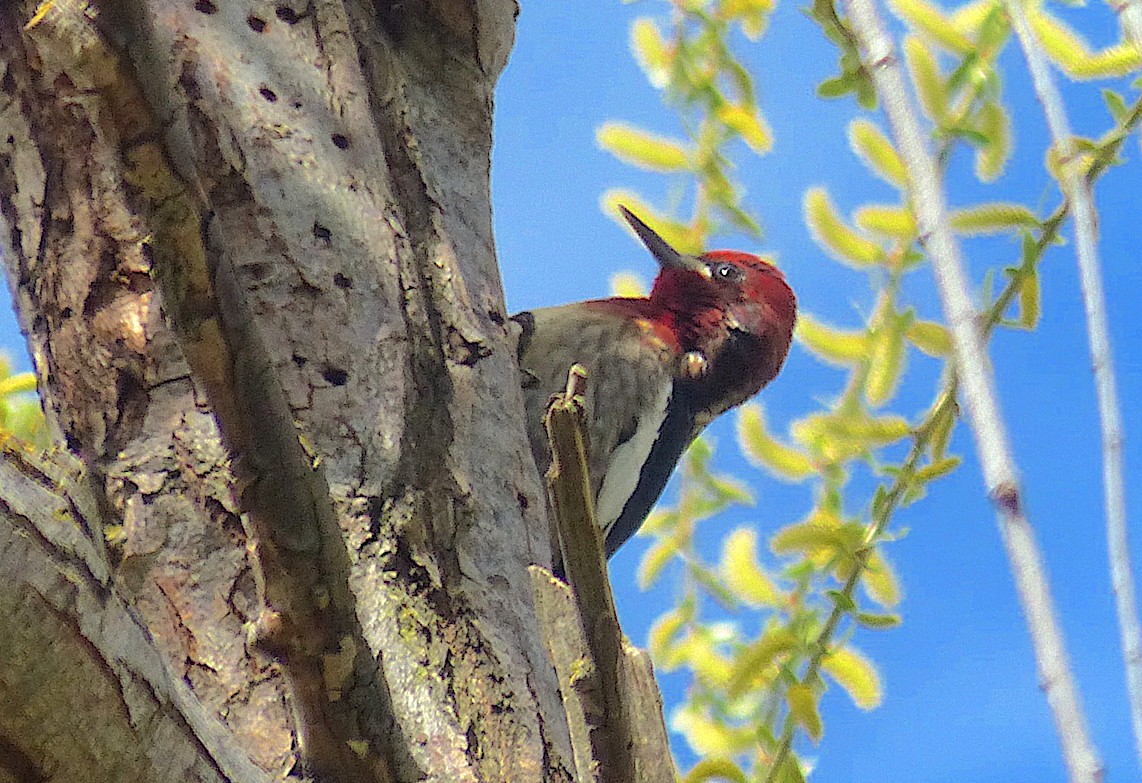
{"x": 667, "y": 257}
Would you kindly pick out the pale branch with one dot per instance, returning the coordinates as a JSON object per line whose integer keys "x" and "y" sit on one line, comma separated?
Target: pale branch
{"x": 1076, "y": 188}
{"x": 977, "y": 385}
{"x": 895, "y": 491}
{"x": 1130, "y": 19}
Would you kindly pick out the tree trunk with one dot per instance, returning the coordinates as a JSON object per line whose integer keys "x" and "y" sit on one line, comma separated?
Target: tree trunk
{"x": 251, "y": 247}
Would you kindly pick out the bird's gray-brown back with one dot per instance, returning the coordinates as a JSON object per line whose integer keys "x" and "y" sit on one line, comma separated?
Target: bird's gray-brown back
{"x": 630, "y": 375}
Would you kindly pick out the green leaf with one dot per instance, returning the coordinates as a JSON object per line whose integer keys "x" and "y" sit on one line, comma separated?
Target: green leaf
{"x": 930, "y": 20}
{"x": 1116, "y": 105}
{"x": 834, "y": 236}
{"x": 994, "y": 28}
{"x": 836, "y": 346}
{"x": 856, "y": 674}
{"x": 1072, "y": 54}
{"x": 926, "y": 77}
{"x": 749, "y": 125}
{"x": 879, "y": 580}
{"x": 876, "y": 622}
{"x": 866, "y": 93}
{"x": 1029, "y": 300}
{"x": 894, "y": 222}
{"x": 17, "y": 384}
{"x": 992, "y": 156}
{"x": 759, "y": 448}
{"x": 877, "y": 152}
{"x": 790, "y": 771}
{"x": 715, "y": 769}
{"x": 650, "y": 567}
{"x": 811, "y": 538}
{"x": 628, "y": 284}
{"x": 752, "y": 663}
{"x": 650, "y": 51}
{"x": 886, "y": 365}
{"x": 836, "y": 87}
{"x": 940, "y": 433}
{"x": 803, "y": 706}
{"x": 930, "y": 337}
{"x": 970, "y": 135}
{"x": 742, "y": 573}
{"x": 993, "y": 218}
{"x": 843, "y": 602}
{"x": 937, "y": 469}
{"x": 643, "y": 149}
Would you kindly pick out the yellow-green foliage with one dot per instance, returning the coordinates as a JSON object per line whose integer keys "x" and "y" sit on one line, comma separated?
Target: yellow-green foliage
{"x": 792, "y": 605}
{"x": 20, "y": 412}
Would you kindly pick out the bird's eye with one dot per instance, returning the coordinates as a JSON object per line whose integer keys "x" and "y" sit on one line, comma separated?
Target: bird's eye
{"x": 728, "y": 272}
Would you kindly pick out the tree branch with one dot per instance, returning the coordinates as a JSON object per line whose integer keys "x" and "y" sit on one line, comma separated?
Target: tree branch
{"x": 628, "y": 743}
{"x": 979, "y": 397}
{"x": 1130, "y": 19}
{"x": 91, "y": 655}
{"x": 1076, "y": 187}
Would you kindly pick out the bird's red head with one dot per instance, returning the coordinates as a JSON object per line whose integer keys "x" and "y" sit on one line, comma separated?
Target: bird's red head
{"x": 720, "y": 292}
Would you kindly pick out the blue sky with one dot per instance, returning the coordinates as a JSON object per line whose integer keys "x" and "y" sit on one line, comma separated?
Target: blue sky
{"x": 961, "y": 693}
{"x": 961, "y": 697}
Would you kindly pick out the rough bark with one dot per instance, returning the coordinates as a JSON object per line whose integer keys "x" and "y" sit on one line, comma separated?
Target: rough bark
{"x": 315, "y": 487}
{"x": 86, "y": 694}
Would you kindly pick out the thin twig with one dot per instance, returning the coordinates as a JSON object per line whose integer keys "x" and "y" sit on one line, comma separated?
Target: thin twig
{"x": 979, "y": 397}
{"x": 901, "y": 481}
{"x": 1130, "y": 19}
{"x": 581, "y": 545}
{"x": 1077, "y": 190}
{"x": 894, "y": 491}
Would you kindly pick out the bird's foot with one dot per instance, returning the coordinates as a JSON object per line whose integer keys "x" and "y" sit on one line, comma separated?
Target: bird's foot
{"x": 695, "y": 365}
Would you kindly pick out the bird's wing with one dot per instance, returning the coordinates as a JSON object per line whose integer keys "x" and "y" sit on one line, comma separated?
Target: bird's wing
{"x": 676, "y": 432}
{"x": 629, "y": 377}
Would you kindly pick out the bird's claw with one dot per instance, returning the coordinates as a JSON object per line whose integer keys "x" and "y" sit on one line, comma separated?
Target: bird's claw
{"x": 695, "y": 365}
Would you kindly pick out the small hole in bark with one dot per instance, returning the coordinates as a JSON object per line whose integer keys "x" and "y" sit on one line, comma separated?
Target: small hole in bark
{"x": 342, "y": 282}
{"x": 522, "y": 500}
{"x": 205, "y": 7}
{"x": 300, "y": 361}
{"x": 496, "y": 317}
{"x": 335, "y": 375}
{"x": 393, "y": 18}
{"x": 67, "y": 312}
{"x": 257, "y": 24}
{"x": 11, "y": 139}
{"x": 321, "y": 232}
{"x": 258, "y": 271}
{"x": 268, "y": 94}
{"x": 340, "y": 141}
{"x": 287, "y": 14}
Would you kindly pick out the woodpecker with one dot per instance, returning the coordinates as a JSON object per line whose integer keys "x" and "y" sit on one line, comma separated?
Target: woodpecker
{"x": 714, "y": 331}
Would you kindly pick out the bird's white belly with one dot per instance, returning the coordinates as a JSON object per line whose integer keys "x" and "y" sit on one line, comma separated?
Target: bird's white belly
{"x": 627, "y": 460}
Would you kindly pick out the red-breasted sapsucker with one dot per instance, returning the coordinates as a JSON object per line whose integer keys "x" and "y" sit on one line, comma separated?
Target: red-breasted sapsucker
{"x": 715, "y": 329}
